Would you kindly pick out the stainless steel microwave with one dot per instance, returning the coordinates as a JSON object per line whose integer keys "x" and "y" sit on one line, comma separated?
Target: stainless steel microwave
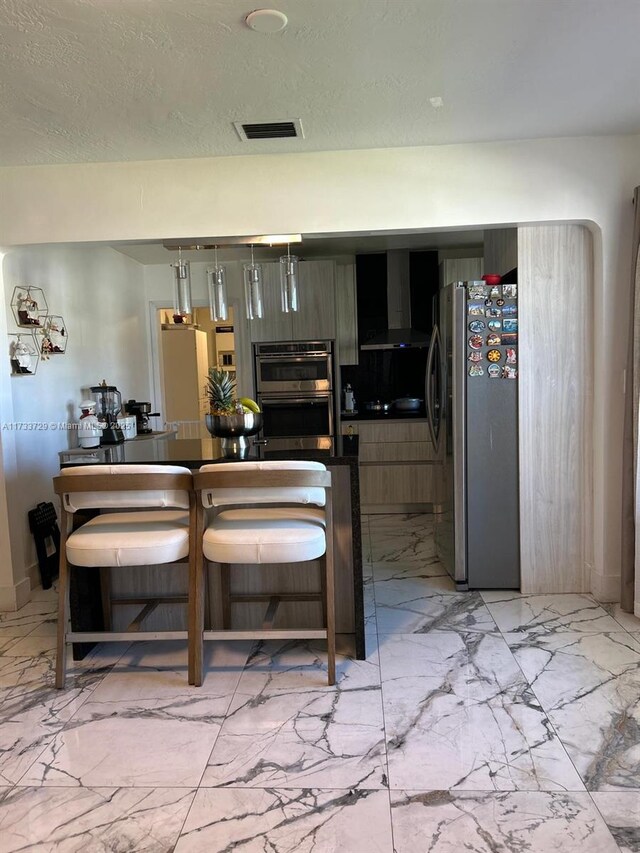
{"x": 294, "y": 367}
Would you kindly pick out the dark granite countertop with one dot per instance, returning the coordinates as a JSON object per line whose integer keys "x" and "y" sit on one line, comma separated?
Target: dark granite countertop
{"x": 393, "y": 415}
{"x": 192, "y": 453}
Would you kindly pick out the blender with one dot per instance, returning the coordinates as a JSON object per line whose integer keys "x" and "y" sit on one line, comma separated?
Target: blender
{"x": 108, "y": 404}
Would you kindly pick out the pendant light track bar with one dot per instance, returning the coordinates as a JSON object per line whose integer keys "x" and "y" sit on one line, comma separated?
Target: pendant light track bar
{"x": 192, "y": 243}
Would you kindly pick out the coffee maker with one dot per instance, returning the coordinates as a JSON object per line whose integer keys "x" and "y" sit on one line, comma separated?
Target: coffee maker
{"x": 108, "y": 405}
{"x": 142, "y": 412}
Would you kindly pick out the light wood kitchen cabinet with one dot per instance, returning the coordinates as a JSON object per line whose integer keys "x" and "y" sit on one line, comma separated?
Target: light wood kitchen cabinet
{"x": 346, "y": 314}
{"x": 185, "y": 364}
{"x": 460, "y": 269}
{"x": 316, "y": 316}
{"x": 399, "y": 467}
{"x": 274, "y": 325}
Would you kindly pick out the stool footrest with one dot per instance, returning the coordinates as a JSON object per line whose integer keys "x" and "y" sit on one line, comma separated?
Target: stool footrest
{"x": 118, "y": 636}
{"x": 271, "y": 634}
{"x": 245, "y": 597}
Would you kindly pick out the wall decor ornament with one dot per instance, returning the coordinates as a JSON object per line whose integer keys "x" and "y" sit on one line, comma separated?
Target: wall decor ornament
{"x": 29, "y": 306}
{"x": 23, "y": 353}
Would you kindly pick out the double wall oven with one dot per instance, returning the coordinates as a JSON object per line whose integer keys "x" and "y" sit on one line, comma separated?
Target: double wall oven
{"x": 295, "y": 390}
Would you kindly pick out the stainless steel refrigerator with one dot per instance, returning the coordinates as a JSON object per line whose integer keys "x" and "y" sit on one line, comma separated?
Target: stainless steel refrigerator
{"x": 472, "y": 409}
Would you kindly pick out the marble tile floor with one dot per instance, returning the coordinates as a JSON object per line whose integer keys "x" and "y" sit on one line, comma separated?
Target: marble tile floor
{"x": 488, "y": 722}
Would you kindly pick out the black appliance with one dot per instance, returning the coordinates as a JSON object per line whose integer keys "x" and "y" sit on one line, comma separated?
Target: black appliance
{"x": 142, "y": 412}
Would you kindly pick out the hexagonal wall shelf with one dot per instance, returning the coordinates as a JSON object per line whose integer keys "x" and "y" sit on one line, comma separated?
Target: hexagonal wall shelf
{"x": 54, "y": 336}
{"x": 29, "y": 306}
{"x": 23, "y": 353}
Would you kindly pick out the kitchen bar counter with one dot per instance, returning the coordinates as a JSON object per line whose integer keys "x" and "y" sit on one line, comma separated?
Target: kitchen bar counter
{"x": 193, "y": 453}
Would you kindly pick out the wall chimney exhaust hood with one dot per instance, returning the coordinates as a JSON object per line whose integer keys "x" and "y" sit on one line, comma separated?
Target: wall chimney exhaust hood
{"x": 399, "y": 334}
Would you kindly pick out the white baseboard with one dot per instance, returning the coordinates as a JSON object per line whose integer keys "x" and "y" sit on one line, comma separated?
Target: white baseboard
{"x": 33, "y": 573}
{"x": 14, "y": 597}
{"x": 605, "y": 587}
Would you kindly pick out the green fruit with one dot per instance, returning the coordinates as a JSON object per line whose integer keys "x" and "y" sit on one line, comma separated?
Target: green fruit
{"x": 250, "y": 404}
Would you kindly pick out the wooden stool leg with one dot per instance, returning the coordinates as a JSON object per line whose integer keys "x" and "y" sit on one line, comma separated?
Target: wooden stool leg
{"x": 323, "y": 592}
{"x": 105, "y": 592}
{"x": 331, "y": 618}
{"x": 197, "y": 589}
{"x": 63, "y": 619}
{"x": 225, "y": 591}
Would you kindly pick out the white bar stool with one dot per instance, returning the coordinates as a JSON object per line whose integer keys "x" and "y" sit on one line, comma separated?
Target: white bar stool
{"x": 282, "y": 513}
{"x": 161, "y": 531}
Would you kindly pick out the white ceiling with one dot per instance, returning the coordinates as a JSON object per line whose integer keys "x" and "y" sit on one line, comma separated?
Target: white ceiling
{"x": 109, "y": 80}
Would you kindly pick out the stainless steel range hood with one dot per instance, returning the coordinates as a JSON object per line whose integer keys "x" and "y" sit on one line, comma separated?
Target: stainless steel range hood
{"x": 399, "y": 334}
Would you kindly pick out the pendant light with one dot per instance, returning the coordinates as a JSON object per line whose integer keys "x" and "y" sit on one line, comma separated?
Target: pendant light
{"x": 253, "y": 289}
{"x": 181, "y": 290}
{"x": 218, "y": 291}
{"x": 289, "y": 282}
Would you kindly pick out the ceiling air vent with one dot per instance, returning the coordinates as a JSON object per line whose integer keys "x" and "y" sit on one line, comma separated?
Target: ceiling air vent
{"x": 269, "y": 129}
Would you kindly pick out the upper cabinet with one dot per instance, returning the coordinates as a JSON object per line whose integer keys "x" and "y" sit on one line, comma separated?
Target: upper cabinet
{"x": 316, "y": 315}
{"x": 500, "y": 250}
{"x": 460, "y": 269}
{"x": 275, "y": 325}
{"x": 346, "y": 314}
{"x": 315, "y": 318}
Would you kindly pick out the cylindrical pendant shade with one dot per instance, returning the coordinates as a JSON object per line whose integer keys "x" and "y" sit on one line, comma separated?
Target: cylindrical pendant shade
{"x": 289, "y": 283}
{"x": 182, "y": 289}
{"x": 253, "y": 291}
{"x": 218, "y": 293}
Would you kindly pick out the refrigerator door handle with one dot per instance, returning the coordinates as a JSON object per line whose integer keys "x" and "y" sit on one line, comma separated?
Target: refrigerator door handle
{"x": 433, "y": 403}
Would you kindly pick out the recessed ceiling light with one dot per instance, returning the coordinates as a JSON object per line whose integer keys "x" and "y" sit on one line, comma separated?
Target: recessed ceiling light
{"x": 436, "y": 103}
{"x": 266, "y": 20}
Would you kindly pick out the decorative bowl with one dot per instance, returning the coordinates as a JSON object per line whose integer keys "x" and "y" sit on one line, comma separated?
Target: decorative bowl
{"x": 492, "y": 278}
{"x": 230, "y": 426}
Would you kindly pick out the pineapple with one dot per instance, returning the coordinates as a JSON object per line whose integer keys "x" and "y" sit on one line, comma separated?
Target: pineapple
{"x": 220, "y": 388}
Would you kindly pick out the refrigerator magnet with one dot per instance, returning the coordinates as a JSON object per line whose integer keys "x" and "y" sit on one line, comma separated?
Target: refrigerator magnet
{"x": 477, "y": 326}
{"x": 509, "y": 372}
{"x": 494, "y": 371}
{"x": 493, "y": 340}
{"x": 500, "y": 303}
{"x": 512, "y": 356}
{"x": 494, "y": 293}
{"x": 475, "y": 341}
{"x": 488, "y": 302}
{"x": 509, "y": 325}
{"x": 475, "y": 356}
{"x": 476, "y": 370}
{"x": 495, "y": 325}
{"x": 494, "y": 355}
{"x": 510, "y": 291}
{"x": 509, "y": 340}
{"x": 493, "y": 312}
{"x": 476, "y": 291}
{"x": 510, "y": 310}
{"x": 476, "y": 309}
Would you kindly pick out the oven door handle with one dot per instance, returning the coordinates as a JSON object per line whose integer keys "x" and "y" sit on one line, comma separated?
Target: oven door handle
{"x": 310, "y": 356}
{"x": 285, "y": 401}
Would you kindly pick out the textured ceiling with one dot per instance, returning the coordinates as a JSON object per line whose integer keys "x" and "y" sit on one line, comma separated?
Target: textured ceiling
{"x": 109, "y": 80}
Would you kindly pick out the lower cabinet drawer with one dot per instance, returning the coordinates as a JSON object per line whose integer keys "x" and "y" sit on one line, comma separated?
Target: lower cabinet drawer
{"x": 397, "y": 484}
{"x": 397, "y": 451}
